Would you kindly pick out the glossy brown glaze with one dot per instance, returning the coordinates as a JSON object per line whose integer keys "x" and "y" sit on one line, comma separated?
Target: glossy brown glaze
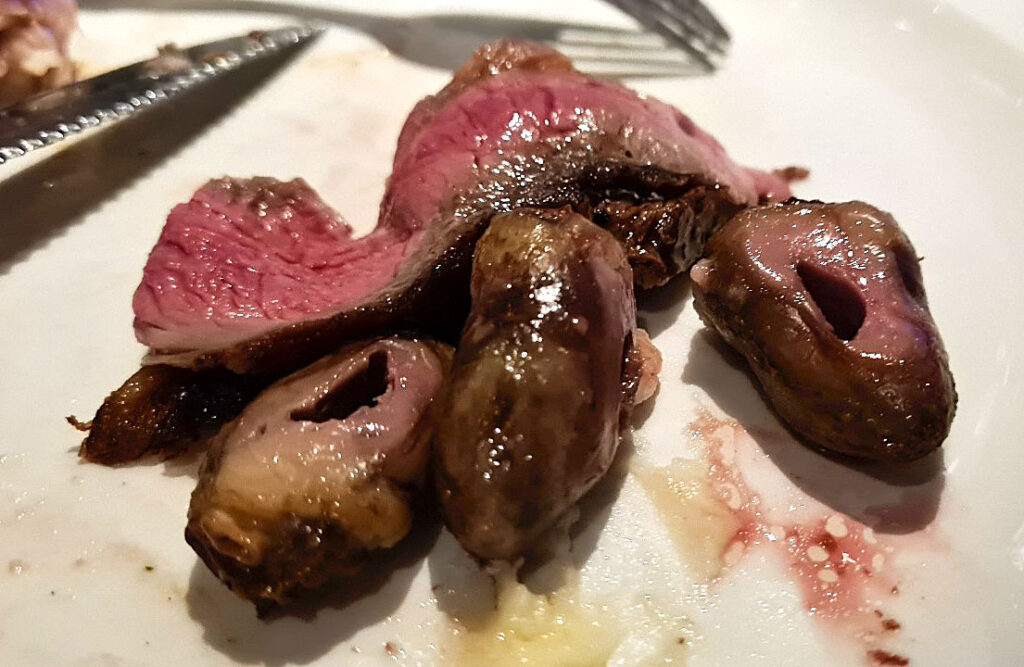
{"x": 661, "y": 220}
{"x": 530, "y": 418}
{"x": 319, "y": 472}
{"x": 826, "y": 303}
{"x": 163, "y": 410}
{"x": 276, "y": 279}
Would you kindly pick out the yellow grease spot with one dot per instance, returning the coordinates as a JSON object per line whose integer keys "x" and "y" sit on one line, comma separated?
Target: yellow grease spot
{"x": 695, "y": 512}
{"x": 527, "y": 628}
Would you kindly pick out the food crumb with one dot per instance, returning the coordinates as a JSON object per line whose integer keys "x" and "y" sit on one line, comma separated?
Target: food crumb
{"x": 78, "y": 424}
{"x": 16, "y": 567}
{"x": 828, "y": 576}
{"x": 891, "y": 625}
{"x": 817, "y": 554}
{"x": 885, "y": 658}
{"x": 836, "y": 527}
{"x": 148, "y": 568}
{"x": 390, "y": 649}
{"x": 792, "y": 173}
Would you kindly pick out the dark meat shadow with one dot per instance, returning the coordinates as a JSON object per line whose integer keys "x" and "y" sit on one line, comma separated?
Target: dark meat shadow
{"x": 446, "y": 41}
{"x": 313, "y": 625}
{"x": 185, "y": 464}
{"x": 596, "y": 507}
{"x": 40, "y": 201}
{"x": 894, "y": 499}
{"x": 659, "y": 308}
{"x": 640, "y": 415}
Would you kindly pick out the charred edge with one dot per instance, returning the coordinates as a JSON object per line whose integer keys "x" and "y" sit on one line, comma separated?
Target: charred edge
{"x": 288, "y": 569}
{"x": 164, "y": 410}
{"x": 662, "y": 219}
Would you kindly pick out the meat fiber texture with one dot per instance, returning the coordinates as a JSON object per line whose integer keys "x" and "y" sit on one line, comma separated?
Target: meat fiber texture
{"x": 251, "y": 266}
{"x": 34, "y": 38}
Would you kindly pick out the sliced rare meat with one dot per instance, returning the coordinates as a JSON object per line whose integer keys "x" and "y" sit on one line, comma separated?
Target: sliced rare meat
{"x": 34, "y": 38}
{"x": 319, "y": 473}
{"x": 260, "y": 276}
{"x": 826, "y": 303}
{"x": 530, "y": 418}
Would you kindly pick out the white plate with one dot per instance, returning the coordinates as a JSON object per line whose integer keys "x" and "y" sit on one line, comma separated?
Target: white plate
{"x": 901, "y": 104}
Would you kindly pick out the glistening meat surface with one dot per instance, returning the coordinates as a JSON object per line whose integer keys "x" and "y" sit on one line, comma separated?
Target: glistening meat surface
{"x": 261, "y": 277}
{"x": 249, "y": 272}
{"x": 530, "y": 418}
{"x": 320, "y": 472}
{"x": 827, "y": 304}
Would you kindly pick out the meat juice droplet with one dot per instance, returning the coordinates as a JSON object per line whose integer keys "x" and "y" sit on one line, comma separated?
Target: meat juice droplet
{"x": 837, "y": 563}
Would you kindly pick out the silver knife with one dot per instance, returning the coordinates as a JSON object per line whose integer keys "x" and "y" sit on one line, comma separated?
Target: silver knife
{"x": 51, "y": 116}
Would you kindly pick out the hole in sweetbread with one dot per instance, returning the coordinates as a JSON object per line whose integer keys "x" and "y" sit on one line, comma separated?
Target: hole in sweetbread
{"x": 839, "y": 300}
{"x": 910, "y": 271}
{"x": 361, "y": 390}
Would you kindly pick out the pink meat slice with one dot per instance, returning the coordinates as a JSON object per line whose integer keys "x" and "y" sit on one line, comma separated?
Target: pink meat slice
{"x": 247, "y": 257}
{"x": 242, "y": 255}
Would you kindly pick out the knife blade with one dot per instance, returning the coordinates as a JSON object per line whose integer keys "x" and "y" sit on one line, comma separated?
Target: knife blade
{"x": 52, "y": 116}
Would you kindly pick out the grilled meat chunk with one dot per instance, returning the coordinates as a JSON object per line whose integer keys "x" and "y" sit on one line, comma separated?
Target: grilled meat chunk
{"x": 827, "y": 304}
{"x": 530, "y": 418}
{"x": 320, "y": 472}
{"x": 261, "y": 277}
{"x": 250, "y": 266}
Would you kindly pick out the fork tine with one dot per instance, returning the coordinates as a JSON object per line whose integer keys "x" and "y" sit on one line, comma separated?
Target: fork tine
{"x": 625, "y": 55}
{"x": 680, "y": 12}
{"x": 612, "y": 66}
{"x": 695, "y": 10}
{"x": 654, "y": 18}
{"x": 704, "y": 14}
{"x": 639, "y": 41}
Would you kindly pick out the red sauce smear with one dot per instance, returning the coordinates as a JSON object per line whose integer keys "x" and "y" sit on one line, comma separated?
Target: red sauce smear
{"x": 836, "y": 561}
{"x": 885, "y": 658}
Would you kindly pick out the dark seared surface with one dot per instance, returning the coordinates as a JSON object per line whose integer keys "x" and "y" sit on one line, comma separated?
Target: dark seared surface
{"x": 162, "y": 410}
{"x": 662, "y": 228}
{"x": 320, "y": 473}
{"x": 827, "y": 304}
{"x": 518, "y": 126}
{"x": 529, "y": 420}
{"x": 662, "y": 220}
{"x": 661, "y": 200}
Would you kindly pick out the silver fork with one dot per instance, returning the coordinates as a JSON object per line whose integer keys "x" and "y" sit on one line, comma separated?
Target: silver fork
{"x": 686, "y": 24}
{"x": 446, "y": 41}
